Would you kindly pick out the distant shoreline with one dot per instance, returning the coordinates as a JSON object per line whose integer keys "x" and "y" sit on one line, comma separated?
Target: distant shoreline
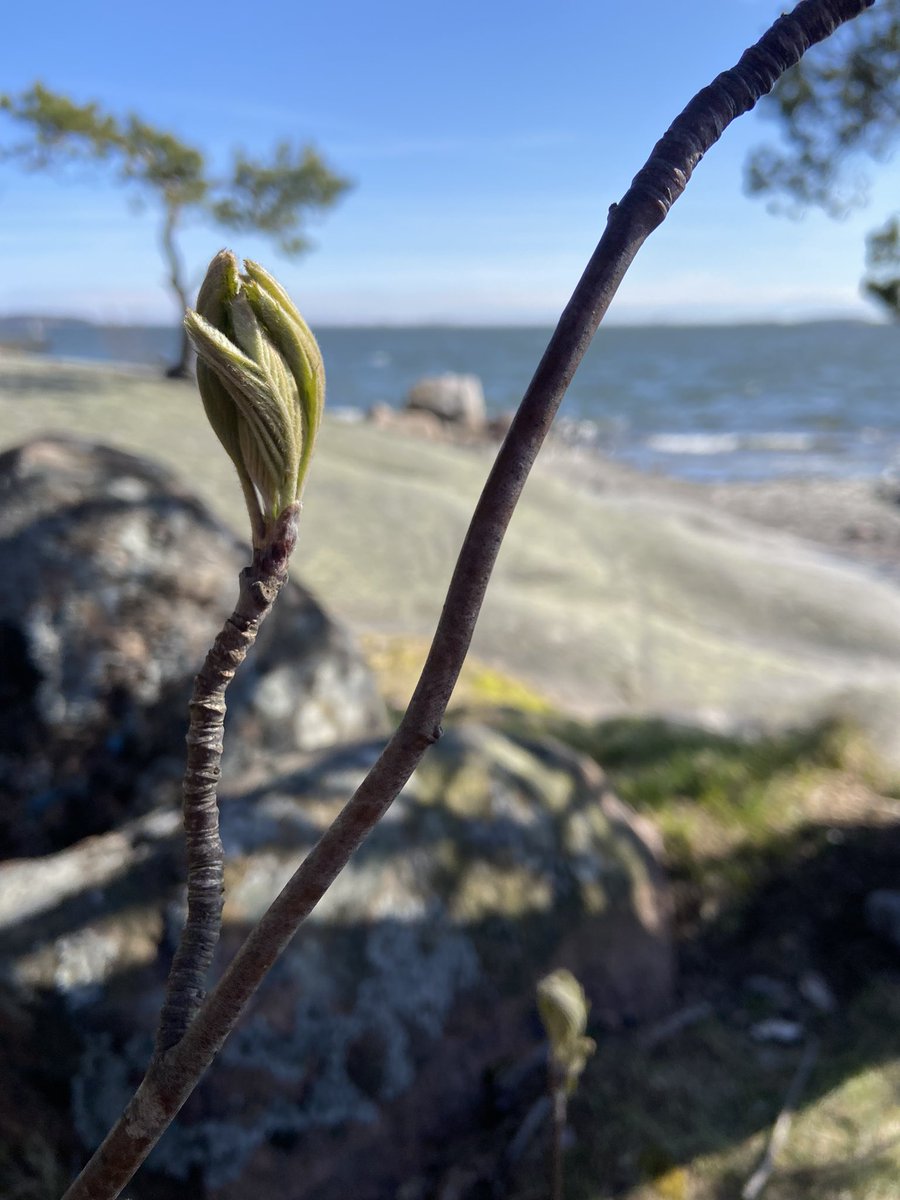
{"x": 738, "y": 606}
{"x": 724, "y": 402}
{"x": 716, "y": 404}
{"x": 855, "y": 519}
{"x": 11, "y": 323}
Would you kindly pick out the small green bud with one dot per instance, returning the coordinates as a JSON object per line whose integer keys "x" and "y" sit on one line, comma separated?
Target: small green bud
{"x": 564, "y": 1009}
{"x": 262, "y": 383}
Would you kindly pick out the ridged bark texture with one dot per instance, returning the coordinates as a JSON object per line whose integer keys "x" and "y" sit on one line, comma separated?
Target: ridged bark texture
{"x": 260, "y": 584}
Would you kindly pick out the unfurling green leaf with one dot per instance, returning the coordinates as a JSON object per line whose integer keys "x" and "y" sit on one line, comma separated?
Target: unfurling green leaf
{"x": 262, "y": 383}
{"x": 564, "y": 1012}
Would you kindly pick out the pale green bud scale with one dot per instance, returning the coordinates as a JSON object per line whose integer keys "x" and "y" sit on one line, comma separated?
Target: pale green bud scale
{"x": 564, "y": 1009}
{"x": 262, "y": 382}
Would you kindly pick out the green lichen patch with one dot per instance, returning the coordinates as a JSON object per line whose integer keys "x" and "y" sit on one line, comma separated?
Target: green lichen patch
{"x": 397, "y": 658}
{"x": 487, "y": 890}
{"x": 478, "y": 772}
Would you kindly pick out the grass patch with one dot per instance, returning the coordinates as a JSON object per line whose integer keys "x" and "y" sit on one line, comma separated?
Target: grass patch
{"x": 728, "y": 807}
{"x": 654, "y": 762}
{"x": 689, "y": 1120}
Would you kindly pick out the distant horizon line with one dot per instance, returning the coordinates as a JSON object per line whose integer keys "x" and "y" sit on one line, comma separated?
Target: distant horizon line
{"x": 32, "y": 318}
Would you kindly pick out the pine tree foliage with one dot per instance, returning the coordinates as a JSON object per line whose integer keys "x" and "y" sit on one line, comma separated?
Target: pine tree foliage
{"x": 839, "y": 107}
{"x": 275, "y": 196}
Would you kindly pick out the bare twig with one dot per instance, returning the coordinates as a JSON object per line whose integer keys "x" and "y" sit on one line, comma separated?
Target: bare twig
{"x": 558, "y": 1117}
{"x": 260, "y": 584}
{"x": 172, "y": 1077}
{"x": 781, "y": 1130}
{"x": 534, "y": 1121}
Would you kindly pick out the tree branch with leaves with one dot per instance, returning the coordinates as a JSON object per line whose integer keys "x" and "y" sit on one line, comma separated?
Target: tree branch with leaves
{"x": 840, "y": 106}
{"x": 275, "y": 196}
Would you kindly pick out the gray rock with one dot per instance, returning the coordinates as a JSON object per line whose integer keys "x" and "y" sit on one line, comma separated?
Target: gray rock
{"x": 883, "y": 914}
{"x": 458, "y": 399}
{"x": 626, "y": 598}
{"x": 816, "y": 991}
{"x": 615, "y": 591}
{"x": 368, "y": 1055}
{"x": 775, "y": 992}
{"x": 778, "y": 1030}
{"x": 113, "y": 581}
{"x": 416, "y": 422}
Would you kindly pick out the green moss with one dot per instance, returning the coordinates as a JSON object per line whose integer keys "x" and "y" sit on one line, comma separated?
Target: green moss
{"x": 653, "y": 761}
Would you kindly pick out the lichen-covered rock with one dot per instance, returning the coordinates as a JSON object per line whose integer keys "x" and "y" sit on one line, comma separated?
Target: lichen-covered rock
{"x": 372, "y": 1048}
{"x": 113, "y": 581}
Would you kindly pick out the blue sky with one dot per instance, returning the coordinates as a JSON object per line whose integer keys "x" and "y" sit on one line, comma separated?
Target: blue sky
{"x": 486, "y": 139}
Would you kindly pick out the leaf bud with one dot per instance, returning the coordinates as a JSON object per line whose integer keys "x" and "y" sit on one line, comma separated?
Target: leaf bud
{"x": 564, "y": 1008}
{"x": 262, "y": 383}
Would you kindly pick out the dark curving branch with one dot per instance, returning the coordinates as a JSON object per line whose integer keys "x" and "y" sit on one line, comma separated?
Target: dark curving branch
{"x": 172, "y": 1077}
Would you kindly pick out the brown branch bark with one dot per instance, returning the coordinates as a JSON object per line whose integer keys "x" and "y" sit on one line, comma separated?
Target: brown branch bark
{"x": 558, "y": 1116}
{"x": 171, "y": 1078}
{"x": 260, "y": 584}
{"x": 180, "y": 369}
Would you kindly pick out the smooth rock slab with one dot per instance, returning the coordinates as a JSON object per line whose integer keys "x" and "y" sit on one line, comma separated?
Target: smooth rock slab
{"x": 371, "y": 1049}
{"x": 114, "y": 580}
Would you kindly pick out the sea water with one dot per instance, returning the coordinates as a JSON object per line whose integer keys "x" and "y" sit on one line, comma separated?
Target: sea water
{"x": 702, "y": 403}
